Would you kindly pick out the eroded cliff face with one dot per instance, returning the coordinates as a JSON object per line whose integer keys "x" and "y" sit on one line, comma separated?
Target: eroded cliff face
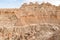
{"x": 30, "y": 22}
{"x": 38, "y": 13}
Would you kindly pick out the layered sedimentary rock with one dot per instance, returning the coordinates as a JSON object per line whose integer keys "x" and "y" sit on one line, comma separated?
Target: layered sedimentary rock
{"x": 37, "y": 13}
{"x": 30, "y": 22}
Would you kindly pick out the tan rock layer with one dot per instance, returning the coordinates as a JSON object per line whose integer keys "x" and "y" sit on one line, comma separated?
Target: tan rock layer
{"x": 40, "y": 13}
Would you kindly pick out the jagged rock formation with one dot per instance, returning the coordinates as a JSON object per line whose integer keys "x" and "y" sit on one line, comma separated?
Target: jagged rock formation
{"x": 30, "y": 22}
{"x": 37, "y": 13}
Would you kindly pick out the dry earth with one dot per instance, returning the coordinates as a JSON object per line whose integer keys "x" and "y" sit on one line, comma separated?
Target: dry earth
{"x": 30, "y": 22}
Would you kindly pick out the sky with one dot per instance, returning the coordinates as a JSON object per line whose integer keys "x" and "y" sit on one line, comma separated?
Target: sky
{"x": 18, "y": 3}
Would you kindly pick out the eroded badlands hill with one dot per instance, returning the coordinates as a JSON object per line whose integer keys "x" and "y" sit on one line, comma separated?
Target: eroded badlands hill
{"x": 30, "y": 22}
{"x": 38, "y": 13}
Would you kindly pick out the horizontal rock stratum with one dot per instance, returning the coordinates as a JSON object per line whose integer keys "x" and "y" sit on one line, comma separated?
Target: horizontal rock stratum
{"x": 32, "y": 21}
{"x": 38, "y": 13}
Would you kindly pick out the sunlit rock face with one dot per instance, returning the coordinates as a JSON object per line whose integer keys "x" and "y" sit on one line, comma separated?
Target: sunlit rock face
{"x": 32, "y": 21}
{"x": 38, "y": 13}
